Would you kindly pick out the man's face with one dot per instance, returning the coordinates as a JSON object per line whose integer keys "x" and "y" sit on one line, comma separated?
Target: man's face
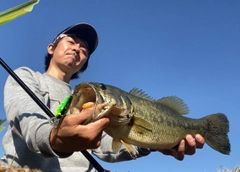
{"x": 69, "y": 55}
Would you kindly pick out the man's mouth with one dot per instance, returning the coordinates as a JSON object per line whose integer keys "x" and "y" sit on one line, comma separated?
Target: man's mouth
{"x": 71, "y": 53}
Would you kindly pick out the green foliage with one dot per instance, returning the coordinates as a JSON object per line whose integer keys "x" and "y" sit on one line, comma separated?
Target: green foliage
{"x": 1, "y": 124}
{"x": 236, "y": 169}
{"x": 17, "y": 11}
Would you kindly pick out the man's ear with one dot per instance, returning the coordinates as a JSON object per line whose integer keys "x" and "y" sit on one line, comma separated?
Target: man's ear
{"x": 50, "y": 48}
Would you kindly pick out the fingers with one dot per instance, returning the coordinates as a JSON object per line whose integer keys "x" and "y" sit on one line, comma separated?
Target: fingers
{"x": 85, "y": 113}
{"x": 91, "y": 133}
{"x": 199, "y": 141}
{"x": 100, "y": 124}
{"x": 179, "y": 155}
{"x": 186, "y": 146}
{"x": 190, "y": 141}
{"x": 93, "y": 129}
{"x": 176, "y": 153}
{"x": 190, "y": 146}
{"x": 79, "y": 118}
{"x": 73, "y": 135}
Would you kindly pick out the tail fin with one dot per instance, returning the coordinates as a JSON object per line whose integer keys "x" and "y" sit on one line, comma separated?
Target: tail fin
{"x": 216, "y": 136}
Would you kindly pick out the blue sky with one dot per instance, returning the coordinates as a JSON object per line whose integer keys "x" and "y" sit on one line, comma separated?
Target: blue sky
{"x": 185, "y": 48}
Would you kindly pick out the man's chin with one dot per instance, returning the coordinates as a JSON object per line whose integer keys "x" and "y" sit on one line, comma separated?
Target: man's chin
{"x": 71, "y": 63}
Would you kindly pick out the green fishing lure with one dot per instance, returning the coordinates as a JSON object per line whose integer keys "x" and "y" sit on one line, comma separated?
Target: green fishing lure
{"x": 61, "y": 111}
{"x": 63, "y": 107}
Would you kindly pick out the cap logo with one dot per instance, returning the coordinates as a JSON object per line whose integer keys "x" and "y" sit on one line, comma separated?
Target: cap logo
{"x": 59, "y": 37}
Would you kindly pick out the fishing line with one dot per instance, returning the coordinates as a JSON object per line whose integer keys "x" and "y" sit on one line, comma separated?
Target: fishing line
{"x": 95, "y": 164}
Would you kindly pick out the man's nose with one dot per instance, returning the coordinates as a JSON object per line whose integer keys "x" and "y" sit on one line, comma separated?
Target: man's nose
{"x": 76, "y": 49}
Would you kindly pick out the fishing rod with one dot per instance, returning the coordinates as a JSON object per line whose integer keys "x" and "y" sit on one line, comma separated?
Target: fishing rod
{"x": 95, "y": 164}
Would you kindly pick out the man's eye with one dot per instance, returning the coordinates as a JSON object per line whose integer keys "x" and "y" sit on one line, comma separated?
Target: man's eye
{"x": 83, "y": 51}
{"x": 71, "y": 42}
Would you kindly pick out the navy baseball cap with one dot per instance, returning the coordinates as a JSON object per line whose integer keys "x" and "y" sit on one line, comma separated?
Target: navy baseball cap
{"x": 84, "y": 31}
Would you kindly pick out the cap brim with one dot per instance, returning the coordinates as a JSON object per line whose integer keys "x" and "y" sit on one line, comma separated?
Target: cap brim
{"x": 86, "y": 31}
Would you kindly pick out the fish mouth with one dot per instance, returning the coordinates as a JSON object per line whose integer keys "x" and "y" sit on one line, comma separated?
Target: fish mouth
{"x": 105, "y": 104}
{"x": 82, "y": 94}
{"x": 85, "y": 95}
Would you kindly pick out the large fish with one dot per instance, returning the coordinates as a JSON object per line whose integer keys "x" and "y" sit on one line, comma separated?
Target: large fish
{"x": 137, "y": 119}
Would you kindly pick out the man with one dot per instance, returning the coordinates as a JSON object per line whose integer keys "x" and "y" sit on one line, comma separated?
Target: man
{"x": 31, "y": 140}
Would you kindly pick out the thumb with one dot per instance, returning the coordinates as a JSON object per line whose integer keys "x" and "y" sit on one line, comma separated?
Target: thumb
{"x": 78, "y": 118}
{"x": 100, "y": 123}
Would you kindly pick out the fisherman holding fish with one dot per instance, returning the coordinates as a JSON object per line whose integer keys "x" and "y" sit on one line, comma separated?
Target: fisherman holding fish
{"x": 31, "y": 140}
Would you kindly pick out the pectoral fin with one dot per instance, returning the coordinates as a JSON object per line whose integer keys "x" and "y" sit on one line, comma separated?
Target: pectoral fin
{"x": 117, "y": 144}
{"x": 141, "y": 126}
{"x": 130, "y": 148}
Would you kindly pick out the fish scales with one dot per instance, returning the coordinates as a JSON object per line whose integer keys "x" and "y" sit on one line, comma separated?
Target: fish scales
{"x": 137, "y": 119}
{"x": 166, "y": 125}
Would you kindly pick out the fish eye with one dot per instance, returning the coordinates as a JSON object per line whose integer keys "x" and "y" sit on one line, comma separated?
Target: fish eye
{"x": 102, "y": 86}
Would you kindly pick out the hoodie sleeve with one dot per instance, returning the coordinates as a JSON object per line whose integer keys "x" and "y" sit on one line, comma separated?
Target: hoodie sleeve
{"x": 25, "y": 118}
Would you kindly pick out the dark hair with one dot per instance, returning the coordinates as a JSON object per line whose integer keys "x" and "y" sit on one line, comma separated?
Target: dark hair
{"x": 48, "y": 58}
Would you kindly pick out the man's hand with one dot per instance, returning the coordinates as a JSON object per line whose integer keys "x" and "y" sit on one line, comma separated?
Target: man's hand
{"x": 72, "y": 136}
{"x": 186, "y": 147}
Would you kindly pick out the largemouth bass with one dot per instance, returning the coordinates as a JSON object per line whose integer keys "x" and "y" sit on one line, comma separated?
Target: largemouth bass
{"x": 137, "y": 119}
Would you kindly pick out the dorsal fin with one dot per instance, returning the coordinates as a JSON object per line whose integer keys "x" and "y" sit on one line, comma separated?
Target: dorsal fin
{"x": 140, "y": 93}
{"x": 175, "y": 103}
